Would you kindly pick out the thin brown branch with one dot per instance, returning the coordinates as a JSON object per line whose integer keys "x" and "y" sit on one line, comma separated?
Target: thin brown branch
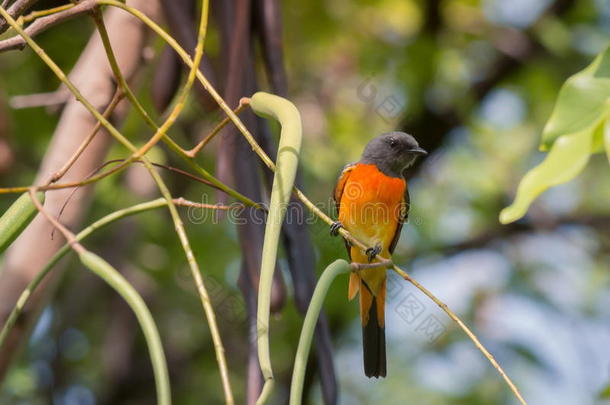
{"x": 56, "y": 224}
{"x": 44, "y": 23}
{"x": 365, "y": 266}
{"x": 181, "y": 202}
{"x": 17, "y": 9}
{"x": 54, "y": 98}
{"x": 193, "y": 152}
{"x": 93, "y": 78}
{"x": 118, "y": 96}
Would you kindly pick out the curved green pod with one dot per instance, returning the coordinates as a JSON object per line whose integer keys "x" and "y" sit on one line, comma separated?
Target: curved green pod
{"x": 288, "y": 116}
{"x": 151, "y": 334}
{"x": 331, "y": 272}
{"x": 17, "y": 217}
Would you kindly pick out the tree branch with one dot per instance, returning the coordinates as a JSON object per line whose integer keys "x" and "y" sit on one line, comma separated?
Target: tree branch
{"x": 18, "y": 8}
{"x": 44, "y": 23}
{"x": 93, "y": 77}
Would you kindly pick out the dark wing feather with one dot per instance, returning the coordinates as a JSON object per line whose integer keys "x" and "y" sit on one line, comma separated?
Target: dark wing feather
{"x": 338, "y": 193}
{"x": 340, "y": 186}
{"x": 403, "y": 216}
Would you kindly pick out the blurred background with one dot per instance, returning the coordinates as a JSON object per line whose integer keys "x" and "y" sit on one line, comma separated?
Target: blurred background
{"x": 474, "y": 81}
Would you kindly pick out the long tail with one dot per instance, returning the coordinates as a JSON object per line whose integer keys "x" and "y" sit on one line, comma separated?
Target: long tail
{"x": 373, "y": 345}
{"x": 373, "y": 328}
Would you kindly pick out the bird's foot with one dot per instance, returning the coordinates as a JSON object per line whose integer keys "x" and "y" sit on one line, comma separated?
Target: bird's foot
{"x": 334, "y": 228}
{"x": 372, "y": 252}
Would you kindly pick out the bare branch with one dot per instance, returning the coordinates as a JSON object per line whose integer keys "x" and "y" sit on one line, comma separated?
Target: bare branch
{"x": 94, "y": 79}
{"x": 44, "y": 23}
{"x": 52, "y": 99}
{"x": 18, "y": 8}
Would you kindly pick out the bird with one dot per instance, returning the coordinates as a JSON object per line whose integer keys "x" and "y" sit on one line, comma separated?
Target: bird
{"x": 372, "y": 200}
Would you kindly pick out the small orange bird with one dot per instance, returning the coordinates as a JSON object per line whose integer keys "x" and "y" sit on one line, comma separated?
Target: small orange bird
{"x": 372, "y": 199}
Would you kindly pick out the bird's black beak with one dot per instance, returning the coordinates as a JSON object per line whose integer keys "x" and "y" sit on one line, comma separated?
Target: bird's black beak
{"x": 418, "y": 151}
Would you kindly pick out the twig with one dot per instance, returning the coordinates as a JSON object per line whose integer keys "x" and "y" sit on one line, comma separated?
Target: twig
{"x": 118, "y": 96}
{"x": 160, "y": 134}
{"x": 44, "y": 23}
{"x": 187, "y": 203}
{"x": 86, "y": 232}
{"x": 101, "y": 268}
{"x": 113, "y": 131}
{"x": 54, "y": 98}
{"x": 365, "y": 266}
{"x": 123, "y": 163}
{"x": 43, "y": 13}
{"x": 15, "y": 10}
{"x": 91, "y": 76}
{"x": 104, "y": 221}
{"x": 72, "y": 242}
{"x": 193, "y": 152}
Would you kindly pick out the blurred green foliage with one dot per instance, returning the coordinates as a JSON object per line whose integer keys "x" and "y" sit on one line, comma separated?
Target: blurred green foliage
{"x": 536, "y": 292}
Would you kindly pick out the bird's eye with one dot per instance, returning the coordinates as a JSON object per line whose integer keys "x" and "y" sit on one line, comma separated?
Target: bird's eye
{"x": 393, "y": 142}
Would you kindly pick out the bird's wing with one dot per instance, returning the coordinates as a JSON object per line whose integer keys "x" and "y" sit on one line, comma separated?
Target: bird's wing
{"x": 338, "y": 193}
{"x": 402, "y": 218}
{"x": 341, "y": 181}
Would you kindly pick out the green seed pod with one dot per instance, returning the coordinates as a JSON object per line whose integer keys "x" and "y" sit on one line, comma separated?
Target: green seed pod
{"x": 17, "y": 217}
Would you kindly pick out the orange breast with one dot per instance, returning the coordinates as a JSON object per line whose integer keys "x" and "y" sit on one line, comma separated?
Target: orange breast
{"x": 370, "y": 205}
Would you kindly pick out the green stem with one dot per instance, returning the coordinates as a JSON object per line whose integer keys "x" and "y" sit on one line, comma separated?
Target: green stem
{"x": 283, "y": 180}
{"x": 139, "y": 153}
{"x": 106, "y": 272}
{"x": 160, "y": 131}
{"x": 159, "y": 135}
{"x": 25, "y": 295}
{"x": 309, "y": 325}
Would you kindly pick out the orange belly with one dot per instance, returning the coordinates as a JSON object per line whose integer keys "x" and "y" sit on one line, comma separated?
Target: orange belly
{"x": 370, "y": 208}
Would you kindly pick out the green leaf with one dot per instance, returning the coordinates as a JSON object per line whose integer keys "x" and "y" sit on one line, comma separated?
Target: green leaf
{"x": 606, "y": 131}
{"x": 576, "y": 129}
{"x": 605, "y": 394}
{"x": 568, "y": 156}
{"x": 583, "y": 101}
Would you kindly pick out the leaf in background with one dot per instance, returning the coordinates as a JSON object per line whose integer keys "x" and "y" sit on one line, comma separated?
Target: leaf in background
{"x": 605, "y": 394}
{"x": 606, "y": 131}
{"x": 568, "y": 156}
{"x": 583, "y": 102}
{"x": 574, "y": 131}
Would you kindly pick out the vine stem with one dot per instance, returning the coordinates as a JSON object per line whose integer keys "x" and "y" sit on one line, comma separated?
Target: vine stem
{"x": 309, "y": 325}
{"x": 139, "y": 153}
{"x": 161, "y": 134}
{"x": 113, "y": 278}
{"x": 116, "y": 99}
{"x": 100, "y": 223}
